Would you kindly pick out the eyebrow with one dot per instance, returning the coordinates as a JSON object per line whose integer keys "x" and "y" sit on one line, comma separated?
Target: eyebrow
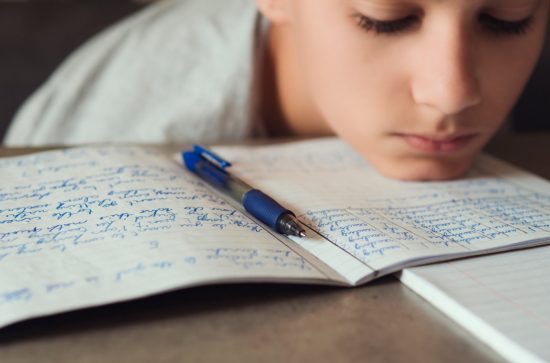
{"x": 522, "y": 2}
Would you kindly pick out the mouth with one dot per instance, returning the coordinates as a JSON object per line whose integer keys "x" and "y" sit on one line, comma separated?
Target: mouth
{"x": 438, "y": 144}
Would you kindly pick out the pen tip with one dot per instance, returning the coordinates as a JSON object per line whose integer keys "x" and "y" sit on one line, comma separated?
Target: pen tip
{"x": 302, "y": 233}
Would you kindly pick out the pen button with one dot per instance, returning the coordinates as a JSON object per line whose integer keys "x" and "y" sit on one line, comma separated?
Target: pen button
{"x": 212, "y": 157}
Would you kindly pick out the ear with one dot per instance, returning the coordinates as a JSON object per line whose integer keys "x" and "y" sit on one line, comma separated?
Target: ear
{"x": 277, "y": 11}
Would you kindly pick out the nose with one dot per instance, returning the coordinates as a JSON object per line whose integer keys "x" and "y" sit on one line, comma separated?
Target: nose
{"x": 445, "y": 78}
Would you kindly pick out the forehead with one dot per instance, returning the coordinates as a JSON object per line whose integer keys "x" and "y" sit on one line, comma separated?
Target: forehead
{"x": 475, "y": 3}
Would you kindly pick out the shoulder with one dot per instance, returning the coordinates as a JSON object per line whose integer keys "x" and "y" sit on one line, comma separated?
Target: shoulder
{"x": 157, "y": 64}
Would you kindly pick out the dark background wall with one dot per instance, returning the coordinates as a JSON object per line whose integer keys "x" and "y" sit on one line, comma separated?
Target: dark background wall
{"x": 36, "y": 35}
{"x": 532, "y": 111}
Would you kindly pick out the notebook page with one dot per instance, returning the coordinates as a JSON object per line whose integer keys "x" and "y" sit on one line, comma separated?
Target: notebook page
{"x": 503, "y": 299}
{"x": 387, "y": 224}
{"x": 89, "y": 226}
{"x": 351, "y": 269}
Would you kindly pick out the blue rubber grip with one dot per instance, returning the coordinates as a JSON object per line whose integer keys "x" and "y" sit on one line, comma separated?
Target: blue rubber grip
{"x": 263, "y": 207}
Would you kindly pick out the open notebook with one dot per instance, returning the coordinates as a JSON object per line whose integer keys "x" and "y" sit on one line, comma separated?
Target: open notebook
{"x": 89, "y": 226}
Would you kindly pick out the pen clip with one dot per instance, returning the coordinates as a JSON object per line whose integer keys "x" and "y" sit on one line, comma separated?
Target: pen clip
{"x": 211, "y": 157}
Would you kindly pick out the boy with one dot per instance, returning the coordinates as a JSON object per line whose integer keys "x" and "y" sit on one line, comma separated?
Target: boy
{"x": 417, "y": 87}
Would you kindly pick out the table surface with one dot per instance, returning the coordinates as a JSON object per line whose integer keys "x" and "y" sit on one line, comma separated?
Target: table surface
{"x": 382, "y": 321}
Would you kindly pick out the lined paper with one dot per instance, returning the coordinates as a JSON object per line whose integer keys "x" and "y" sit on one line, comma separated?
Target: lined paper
{"x": 88, "y": 226}
{"x": 503, "y": 299}
{"x": 387, "y": 224}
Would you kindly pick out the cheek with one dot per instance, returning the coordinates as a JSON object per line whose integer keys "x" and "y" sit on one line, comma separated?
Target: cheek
{"x": 505, "y": 75}
{"x": 506, "y": 68}
{"x": 353, "y": 79}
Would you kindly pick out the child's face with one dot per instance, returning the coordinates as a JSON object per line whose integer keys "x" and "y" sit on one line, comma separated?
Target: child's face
{"x": 416, "y": 86}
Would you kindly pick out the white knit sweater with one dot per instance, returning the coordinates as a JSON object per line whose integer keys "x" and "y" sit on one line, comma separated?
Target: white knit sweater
{"x": 179, "y": 71}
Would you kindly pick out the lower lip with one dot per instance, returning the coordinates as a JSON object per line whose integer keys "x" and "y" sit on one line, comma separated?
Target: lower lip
{"x": 433, "y": 146}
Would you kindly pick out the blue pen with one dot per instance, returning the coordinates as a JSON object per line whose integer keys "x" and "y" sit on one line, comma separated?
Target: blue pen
{"x": 213, "y": 169}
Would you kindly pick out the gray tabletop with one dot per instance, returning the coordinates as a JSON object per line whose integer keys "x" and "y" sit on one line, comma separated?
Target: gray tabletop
{"x": 380, "y": 322}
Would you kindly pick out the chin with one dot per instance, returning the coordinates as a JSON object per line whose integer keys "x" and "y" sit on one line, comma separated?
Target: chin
{"x": 425, "y": 170}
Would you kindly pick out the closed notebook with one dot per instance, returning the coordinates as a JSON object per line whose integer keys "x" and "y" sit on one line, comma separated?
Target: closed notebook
{"x": 502, "y": 299}
{"x": 89, "y": 226}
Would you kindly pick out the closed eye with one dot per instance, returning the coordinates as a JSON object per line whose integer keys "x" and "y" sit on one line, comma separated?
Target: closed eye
{"x": 387, "y": 27}
{"x": 489, "y": 23}
{"x": 504, "y": 27}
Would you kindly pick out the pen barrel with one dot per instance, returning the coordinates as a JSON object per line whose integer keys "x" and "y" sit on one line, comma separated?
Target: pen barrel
{"x": 222, "y": 180}
{"x": 264, "y": 208}
{"x": 255, "y": 202}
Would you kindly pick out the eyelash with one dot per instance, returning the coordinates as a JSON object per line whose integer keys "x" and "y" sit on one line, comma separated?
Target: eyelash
{"x": 491, "y": 24}
{"x": 501, "y": 27}
{"x": 386, "y": 27}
